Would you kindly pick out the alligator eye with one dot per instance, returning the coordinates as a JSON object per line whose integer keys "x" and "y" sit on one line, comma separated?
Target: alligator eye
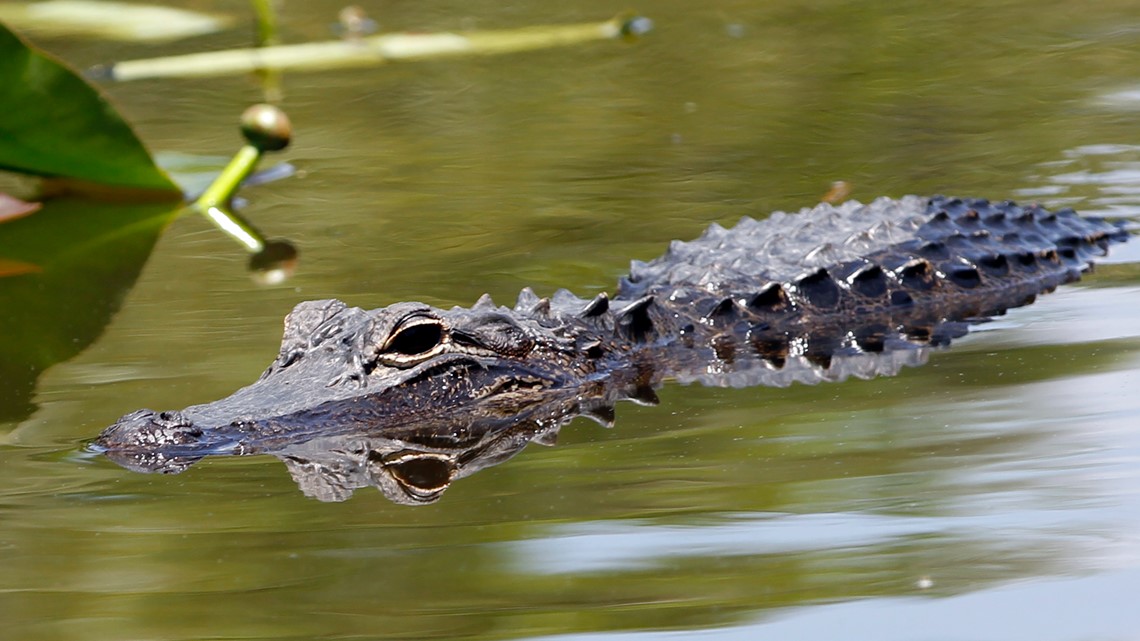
{"x": 416, "y": 338}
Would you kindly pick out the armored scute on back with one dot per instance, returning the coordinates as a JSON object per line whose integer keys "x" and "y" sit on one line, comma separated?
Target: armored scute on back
{"x": 819, "y": 295}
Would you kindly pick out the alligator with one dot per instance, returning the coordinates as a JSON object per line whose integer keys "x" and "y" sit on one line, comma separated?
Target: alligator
{"x": 409, "y": 397}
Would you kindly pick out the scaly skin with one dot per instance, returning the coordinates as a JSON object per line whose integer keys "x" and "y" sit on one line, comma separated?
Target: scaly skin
{"x": 820, "y": 295}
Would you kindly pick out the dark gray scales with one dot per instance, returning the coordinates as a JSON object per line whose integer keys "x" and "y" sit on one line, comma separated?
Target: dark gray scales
{"x": 912, "y": 238}
{"x": 783, "y": 245}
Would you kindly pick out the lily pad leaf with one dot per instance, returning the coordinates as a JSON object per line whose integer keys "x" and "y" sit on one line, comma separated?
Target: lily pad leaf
{"x": 57, "y": 125}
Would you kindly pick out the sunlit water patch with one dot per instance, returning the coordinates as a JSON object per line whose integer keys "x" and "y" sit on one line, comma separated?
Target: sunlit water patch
{"x": 1036, "y": 541}
{"x": 1100, "y": 180}
{"x": 1090, "y": 607}
{"x": 989, "y": 494}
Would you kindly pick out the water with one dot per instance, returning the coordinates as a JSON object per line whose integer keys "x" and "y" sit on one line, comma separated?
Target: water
{"x": 991, "y": 493}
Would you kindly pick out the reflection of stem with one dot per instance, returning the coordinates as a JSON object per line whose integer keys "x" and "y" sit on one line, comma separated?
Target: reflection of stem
{"x": 267, "y": 36}
{"x": 271, "y": 85}
{"x": 266, "y": 22}
{"x": 271, "y": 261}
{"x": 265, "y": 128}
{"x": 236, "y": 227}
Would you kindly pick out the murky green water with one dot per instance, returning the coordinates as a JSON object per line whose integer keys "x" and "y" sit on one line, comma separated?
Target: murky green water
{"x": 993, "y": 493}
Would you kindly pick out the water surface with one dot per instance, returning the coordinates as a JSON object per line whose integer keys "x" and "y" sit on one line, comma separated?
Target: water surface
{"x": 992, "y": 493}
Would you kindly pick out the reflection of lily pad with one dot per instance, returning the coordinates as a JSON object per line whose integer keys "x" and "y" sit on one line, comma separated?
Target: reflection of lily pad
{"x": 17, "y": 267}
{"x": 63, "y": 273}
{"x": 12, "y": 208}
{"x": 55, "y": 124}
{"x": 111, "y": 20}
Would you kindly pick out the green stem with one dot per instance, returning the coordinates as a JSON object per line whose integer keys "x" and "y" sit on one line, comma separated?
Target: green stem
{"x": 212, "y": 202}
{"x": 226, "y": 184}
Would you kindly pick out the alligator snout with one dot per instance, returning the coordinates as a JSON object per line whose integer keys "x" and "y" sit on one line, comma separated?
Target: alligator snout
{"x": 142, "y": 440}
{"x": 147, "y": 429}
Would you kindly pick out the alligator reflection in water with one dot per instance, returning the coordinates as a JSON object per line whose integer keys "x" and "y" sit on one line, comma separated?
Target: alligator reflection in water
{"x": 409, "y": 398}
{"x": 414, "y": 463}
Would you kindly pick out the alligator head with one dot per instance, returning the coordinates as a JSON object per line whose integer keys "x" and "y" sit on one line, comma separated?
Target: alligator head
{"x": 341, "y": 368}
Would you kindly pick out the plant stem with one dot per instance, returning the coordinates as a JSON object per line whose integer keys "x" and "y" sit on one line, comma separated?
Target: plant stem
{"x": 222, "y": 190}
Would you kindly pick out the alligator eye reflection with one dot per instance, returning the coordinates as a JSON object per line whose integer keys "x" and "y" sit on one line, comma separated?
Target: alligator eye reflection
{"x": 411, "y": 477}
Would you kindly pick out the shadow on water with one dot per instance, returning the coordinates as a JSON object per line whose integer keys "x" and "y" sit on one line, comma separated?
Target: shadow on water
{"x": 996, "y": 483}
{"x": 67, "y": 270}
{"x": 72, "y": 265}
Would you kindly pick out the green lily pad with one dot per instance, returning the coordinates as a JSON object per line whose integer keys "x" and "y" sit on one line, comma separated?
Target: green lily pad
{"x": 57, "y": 125}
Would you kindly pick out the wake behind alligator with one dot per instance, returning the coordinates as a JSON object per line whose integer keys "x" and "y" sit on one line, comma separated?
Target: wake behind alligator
{"x": 408, "y": 398}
